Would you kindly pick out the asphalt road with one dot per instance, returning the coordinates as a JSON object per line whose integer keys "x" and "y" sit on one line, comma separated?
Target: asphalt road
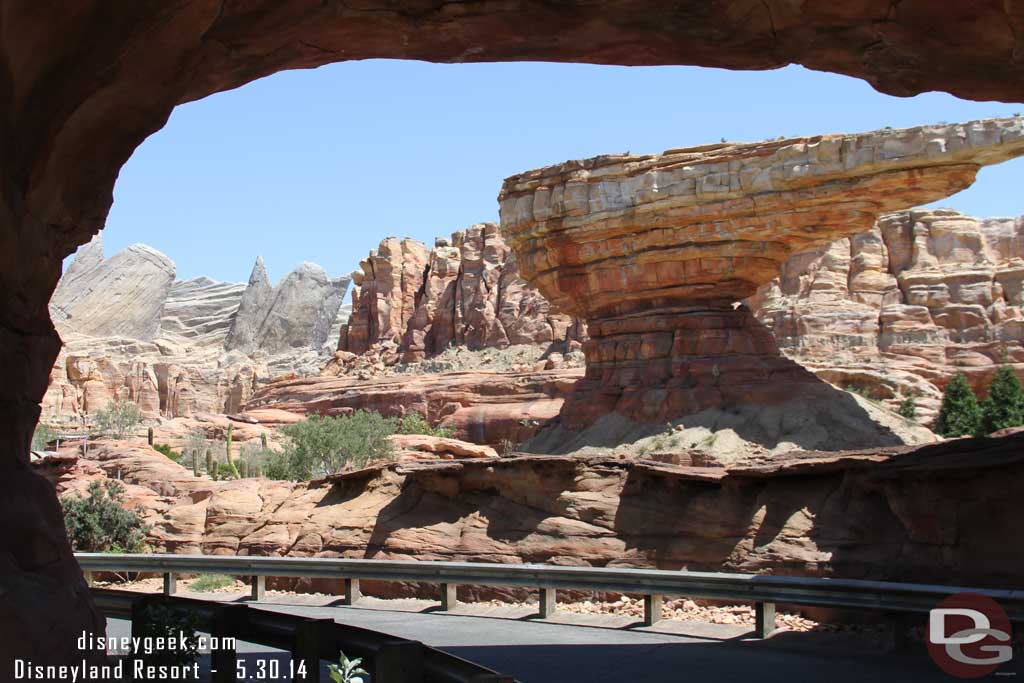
{"x": 598, "y": 649}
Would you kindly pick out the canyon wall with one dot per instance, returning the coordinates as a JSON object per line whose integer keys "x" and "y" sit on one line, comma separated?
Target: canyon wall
{"x": 895, "y": 312}
{"x": 465, "y": 291}
{"x": 131, "y": 332}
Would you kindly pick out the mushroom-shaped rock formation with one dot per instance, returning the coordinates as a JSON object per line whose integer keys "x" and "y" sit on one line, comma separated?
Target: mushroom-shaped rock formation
{"x": 656, "y": 251}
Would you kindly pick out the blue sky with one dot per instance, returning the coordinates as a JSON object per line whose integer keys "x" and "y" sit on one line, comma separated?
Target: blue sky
{"x": 321, "y": 165}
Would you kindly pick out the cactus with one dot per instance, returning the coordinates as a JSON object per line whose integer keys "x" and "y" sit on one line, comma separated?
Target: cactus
{"x": 213, "y": 472}
{"x": 231, "y": 461}
{"x": 149, "y": 436}
{"x": 209, "y": 461}
{"x": 195, "y": 463}
{"x": 259, "y": 471}
{"x": 263, "y": 440}
{"x": 243, "y": 469}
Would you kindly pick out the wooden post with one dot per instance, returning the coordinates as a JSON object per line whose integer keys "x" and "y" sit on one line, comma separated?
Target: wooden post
{"x": 398, "y": 661}
{"x": 352, "y": 592}
{"x": 764, "y": 619}
{"x": 652, "y": 609}
{"x": 548, "y": 599}
{"x": 258, "y": 587}
{"x": 449, "y": 596}
{"x": 170, "y": 583}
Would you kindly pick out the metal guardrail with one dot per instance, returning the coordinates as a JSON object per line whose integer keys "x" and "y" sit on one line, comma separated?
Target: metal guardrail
{"x": 388, "y": 659}
{"x": 763, "y": 591}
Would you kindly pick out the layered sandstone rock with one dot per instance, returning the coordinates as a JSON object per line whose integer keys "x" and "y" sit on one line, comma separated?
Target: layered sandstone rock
{"x": 123, "y": 296}
{"x": 482, "y": 407}
{"x": 656, "y": 251}
{"x": 865, "y": 514}
{"x": 466, "y": 291}
{"x": 896, "y": 311}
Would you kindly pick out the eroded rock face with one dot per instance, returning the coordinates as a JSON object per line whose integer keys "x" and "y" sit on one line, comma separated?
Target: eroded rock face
{"x": 656, "y": 251}
{"x": 120, "y": 297}
{"x": 939, "y": 514}
{"x": 466, "y": 291}
{"x": 896, "y": 311}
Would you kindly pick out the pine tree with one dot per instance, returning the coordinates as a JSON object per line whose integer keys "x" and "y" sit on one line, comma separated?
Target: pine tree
{"x": 960, "y": 414}
{"x": 1004, "y": 405}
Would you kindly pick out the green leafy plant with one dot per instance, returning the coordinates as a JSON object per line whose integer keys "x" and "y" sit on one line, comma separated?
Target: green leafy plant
{"x": 98, "y": 521}
{"x": 167, "y": 451}
{"x": 960, "y": 414}
{"x": 416, "y": 423}
{"x": 319, "y": 446}
{"x": 347, "y": 670}
{"x": 908, "y": 407}
{"x": 1004, "y": 405}
{"x": 206, "y": 583}
{"x": 118, "y": 419}
{"x": 161, "y": 622}
{"x": 43, "y": 436}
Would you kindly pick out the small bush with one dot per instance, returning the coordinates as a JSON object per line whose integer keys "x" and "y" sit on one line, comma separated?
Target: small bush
{"x": 43, "y": 436}
{"x": 99, "y": 523}
{"x": 211, "y": 582}
{"x": 347, "y": 670}
{"x": 416, "y": 423}
{"x": 908, "y": 407}
{"x": 118, "y": 419}
{"x": 960, "y": 414}
{"x": 319, "y": 446}
{"x": 167, "y": 451}
{"x": 1004, "y": 405}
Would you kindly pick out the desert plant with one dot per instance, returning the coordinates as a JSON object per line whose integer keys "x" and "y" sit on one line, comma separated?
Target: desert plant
{"x": 319, "y": 446}
{"x": 98, "y": 522}
{"x": 206, "y": 583}
{"x": 209, "y": 460}
{"x": 243, "y": 469}
{"x": 42, "y": 436}
{"x": 908, "y": 407}
{"x": 195, "y": 464}
{"x": 263, "y": 439}
{"x": 347, "y": 670}
{"x": 1004, "y": 405}
{"x": 227, "y": 452}
{"x": 167, "y": 451}
{"x": 960, "y": 414}
{"x": 215, "y": 471}
{"x": 416, "y": 423}
{"x": 118, "y": 419}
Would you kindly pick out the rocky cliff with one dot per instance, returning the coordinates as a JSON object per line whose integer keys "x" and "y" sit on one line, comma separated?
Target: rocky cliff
{"x": 657, "y": 251}
{"x": 896, "y": 311}
{"x": 179, "y": 347}
{"x": 466, "y": 291}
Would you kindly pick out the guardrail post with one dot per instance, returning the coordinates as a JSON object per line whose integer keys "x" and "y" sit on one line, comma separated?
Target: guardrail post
{"x": 308, "y": 642}
{"x": 88, "y": 578}
{"x": 652, "y": 609}
{"x": 399, "y": 661}
{"x": 170, "y": 583}
{"x": 764, "y": 619}
{"x": 258, "y": 587}
{"x": 448, "y": 596}
{"x": 548, "y": 598}
{"x": 352, "y": 592}
{"x": 228, "y": 621}
{"x": 898, "y": 622}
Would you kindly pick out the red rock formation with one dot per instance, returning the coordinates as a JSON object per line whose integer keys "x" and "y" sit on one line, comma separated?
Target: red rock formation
{"x": 655, "y": 252}
{"x": 896, "y": 514}
{"x": 466, "y": 291}
{"x": 482, "y": 407}
{"x": 896, "y": 311}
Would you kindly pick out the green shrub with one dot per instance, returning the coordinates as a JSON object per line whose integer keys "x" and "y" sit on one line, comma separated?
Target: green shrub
{"x": 99, "y": 523}
{"x": 1004, "y": 405}
{"x": 908, "y": 407}
{"x": 347, "y": 670}
{"x": 319, "y": 446}
{"x": 167, "y": 451}
{"x": 416, "y": 423}
{"x": 43, "y": 436}
{"x": 118, "y": 419}
{"x": 211, "y": 582}
{"x": 161, "y": 622}
{"x": 960, "y": 414}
